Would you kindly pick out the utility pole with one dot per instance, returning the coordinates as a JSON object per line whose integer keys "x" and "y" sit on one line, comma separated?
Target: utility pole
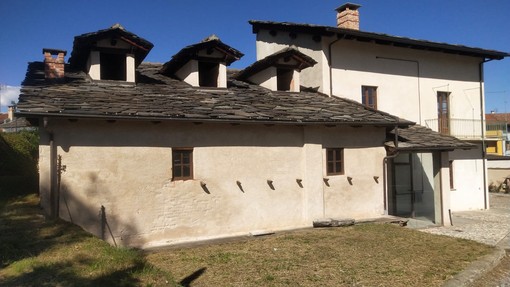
{"x": 1, "y": 89}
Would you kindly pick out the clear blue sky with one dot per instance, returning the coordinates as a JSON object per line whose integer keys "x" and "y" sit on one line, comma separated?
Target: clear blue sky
{"x": 28, "y": 26}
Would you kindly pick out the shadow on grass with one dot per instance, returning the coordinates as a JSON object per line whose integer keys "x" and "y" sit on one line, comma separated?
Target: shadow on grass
{"x": 25, "y": 232}
{"x": 35, "y": 251}
{"x": 186, "y": 282}
{"x": 64, "y": 274}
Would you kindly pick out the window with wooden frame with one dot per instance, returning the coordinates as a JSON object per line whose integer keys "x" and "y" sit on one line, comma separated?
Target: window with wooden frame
{"x": 443, "y": 112}
{"x": 182, "y": 163}
{"x": 369, "y": 96}
{"x": 334, "y": 161}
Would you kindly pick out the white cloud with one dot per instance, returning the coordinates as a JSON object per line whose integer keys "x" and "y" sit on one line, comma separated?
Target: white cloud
{"x": 8, "y": 94}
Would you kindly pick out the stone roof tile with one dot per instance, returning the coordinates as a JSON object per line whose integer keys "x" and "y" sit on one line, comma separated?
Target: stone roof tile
{"x": 420, "y": 138}
{"x": 156, "y": 96}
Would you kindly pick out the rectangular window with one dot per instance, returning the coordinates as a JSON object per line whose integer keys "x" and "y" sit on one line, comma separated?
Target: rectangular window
{"x": 450, "y": 166}
{"x": 208, "y": 74}
{"x": 284, "y": 79}
{"x": 491, "y": 147}
{"x": 443, "y": 112}
{"x": 335, "y": 161}
{"x": 369, "y": 96}
{"x": 112, "y": 66}
{"x": 182, "y": 164}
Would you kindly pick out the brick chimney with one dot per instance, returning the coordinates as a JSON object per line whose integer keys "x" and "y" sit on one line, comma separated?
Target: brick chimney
{"x": 54, "y": 63}
{"x": 347, "y": 16}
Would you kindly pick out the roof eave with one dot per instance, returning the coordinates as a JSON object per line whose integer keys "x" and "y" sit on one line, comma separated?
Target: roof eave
{"x": 379, "y": 39}
{"x": 428, "y": 149}
{"x": 216, "y": 120}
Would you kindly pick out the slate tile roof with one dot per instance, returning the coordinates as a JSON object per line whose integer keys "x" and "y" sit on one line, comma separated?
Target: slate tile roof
{"x": 378, "y": 38}
{"x": 83, "y": 43}
{"x": 191, "y": 52}
{"x": 420, "y": 138}
{"x": 303, "y": 61}
{"x": 15, "y": 124}
{"x": 158, "y": 97}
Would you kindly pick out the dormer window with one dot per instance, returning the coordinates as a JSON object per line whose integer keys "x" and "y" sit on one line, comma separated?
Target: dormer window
{"x": 203, "y": 64}
{"x": 113, "y": 67}
{"x": 208, "y": 74}
{"x": 111, "y": 54}
{"x": 279, "y": 71}
{"x": 284, "y": 79}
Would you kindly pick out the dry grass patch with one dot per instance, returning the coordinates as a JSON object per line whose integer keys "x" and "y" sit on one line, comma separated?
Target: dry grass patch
{"x": 364, "y": 255}
{"x": 38, "y": 252}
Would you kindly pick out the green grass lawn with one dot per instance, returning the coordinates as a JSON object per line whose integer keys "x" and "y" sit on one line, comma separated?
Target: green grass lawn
{"x": 39, "y": 252}
{"x": 35, "y": 251}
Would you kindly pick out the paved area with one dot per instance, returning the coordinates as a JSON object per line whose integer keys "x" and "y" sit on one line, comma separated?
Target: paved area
{"x": 490, "y": 227}
{"x": 485, "y": 226}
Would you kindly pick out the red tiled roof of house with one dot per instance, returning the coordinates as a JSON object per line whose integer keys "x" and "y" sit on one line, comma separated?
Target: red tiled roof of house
{"x": 499, "y": 117}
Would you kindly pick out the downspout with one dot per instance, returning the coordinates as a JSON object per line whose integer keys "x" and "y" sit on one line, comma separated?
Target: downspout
{"x": 482, "y": 128}
{"x": 53, "y": 171}
{"x": 52, "y": 166}
{"x": 330, "y": 65}
{"x": 385, "y": 173}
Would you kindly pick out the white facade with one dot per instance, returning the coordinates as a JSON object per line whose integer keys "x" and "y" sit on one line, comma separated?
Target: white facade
{"x": 254, "y": 176}
{"x": 407, "y": 82}
{"x": 126, "y": 168}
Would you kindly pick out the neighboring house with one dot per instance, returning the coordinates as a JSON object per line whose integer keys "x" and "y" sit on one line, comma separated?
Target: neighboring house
{"x": 497, "y": 125}
{"x": 498, "y": 173}
{"x": 11, "y": 124}
{"x": 4, "y": 118}
{"x": 146, "y": 154}
{"x": 498, "y": 151}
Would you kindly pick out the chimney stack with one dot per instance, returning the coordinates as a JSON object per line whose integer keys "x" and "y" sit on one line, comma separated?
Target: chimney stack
{"x": 347, "y": 16}
{"x": 10, "y": 114}
{"x": 54, "y": 66}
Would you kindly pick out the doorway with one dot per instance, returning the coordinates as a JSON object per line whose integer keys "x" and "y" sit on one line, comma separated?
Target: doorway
{"x": 412, "y": 186}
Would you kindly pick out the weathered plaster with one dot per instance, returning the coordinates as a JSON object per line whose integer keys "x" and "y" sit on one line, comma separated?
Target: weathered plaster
{"x": 126, "y": 167}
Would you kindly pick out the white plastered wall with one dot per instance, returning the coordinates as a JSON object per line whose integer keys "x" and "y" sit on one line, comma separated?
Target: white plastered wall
{"x": 222, "y": 76}
{"x": 407, "y": 82}
{"x": 408, "y": 77}
{"x": 265, "y": 78}
{"x": 126, "y": 168}
{"x": 130, "y": 68}
{"x": 189, "y": 73}
{"x": 315, "y": 76}
{"x": 468, "y": 192}
{"x": 358, "y": 193}
{"x": 93, "y": 64}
